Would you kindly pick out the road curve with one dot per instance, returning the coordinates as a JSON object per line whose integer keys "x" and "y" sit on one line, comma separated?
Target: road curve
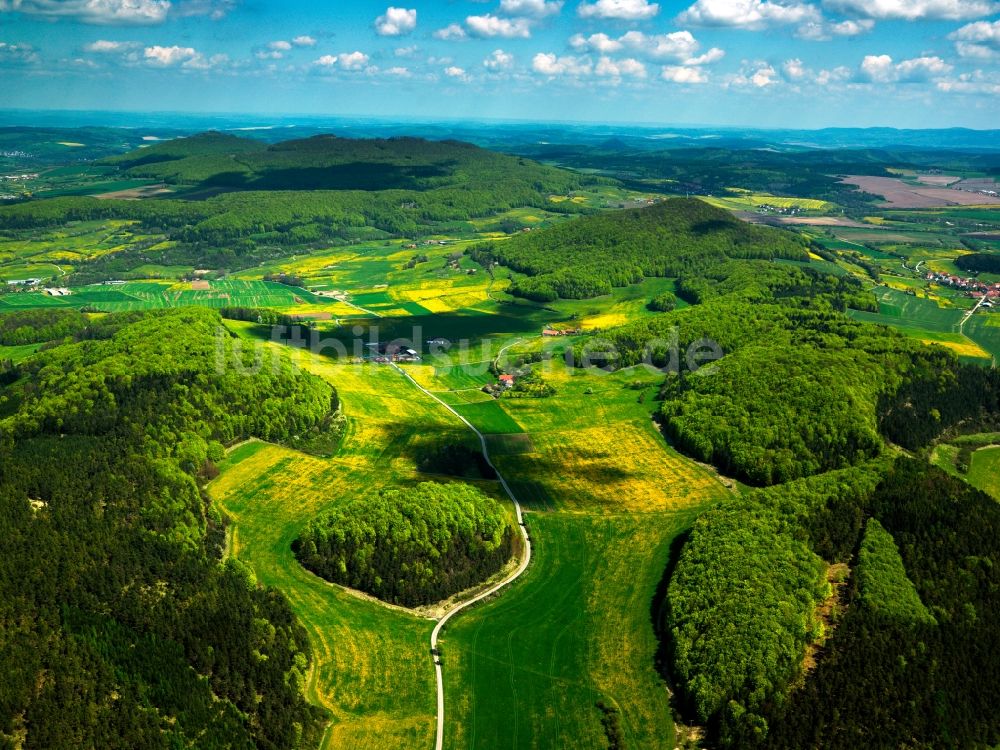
{"x": 526, "y": 558}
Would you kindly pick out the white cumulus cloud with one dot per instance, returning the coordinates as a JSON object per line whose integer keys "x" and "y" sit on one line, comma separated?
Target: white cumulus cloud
{"x": 489, "y": 26}
{"x": 106, "y": 12}
{"x": 345, "y": 60}
{"x": 304, "y": 41}
{"x": 750, "y": 14}
{"x": 532, "y": 8}
{"x": 457, "y": 73}
{"x": 678, "y": 46}
{"x": 551, "y": 65}
{"x": 106, "y": 47}
{"x": 683, "y": 74}
{"x": 449, "y": 32}
{"x": 794, "y": 69}
{"x": 18, "y": 54}
{"x": 978, "y": 41}
{"x": 629, "y": 67}
{"x": 822, "y": 30}
{"x": 169, "y": 56}
{"x": 883, "y": 69}
{"x": 914, "y": 10}
{"x": 396, "y": 22}
{"x": 499, "y": 60}
{"x": 625, "y": 10}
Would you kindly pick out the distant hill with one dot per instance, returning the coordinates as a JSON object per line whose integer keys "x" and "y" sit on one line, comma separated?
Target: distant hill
{"x": 327, "y": 162}
{"x": 587, "y": 257}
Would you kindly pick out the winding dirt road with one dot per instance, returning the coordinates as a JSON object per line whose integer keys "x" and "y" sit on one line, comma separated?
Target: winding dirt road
{"x": 526, "y": 558}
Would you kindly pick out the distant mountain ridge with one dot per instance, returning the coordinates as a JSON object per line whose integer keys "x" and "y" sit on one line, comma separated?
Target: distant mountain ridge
{"x": 329, "y": 162}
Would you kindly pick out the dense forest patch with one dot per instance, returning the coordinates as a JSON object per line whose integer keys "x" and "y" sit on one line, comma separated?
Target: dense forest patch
{"x": 409, "y": 546}
{"x": 979, "y": 262}
{"x": 39, "y": 326}
{"x": 741, "y": 604}
{"x": 908, "y": 660}
{"x": 800, "y": 388}
{"x": 590, "y": 256}
{"x": 770, "y": 413}
{"x": 327, "y": 162}
{"x": 118, "y": 626}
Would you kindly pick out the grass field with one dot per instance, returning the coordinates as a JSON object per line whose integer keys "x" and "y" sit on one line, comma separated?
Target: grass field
{"x": 926, "y": 320}
{"x": 17, "y": 353}
{"x": 984, "y": 470}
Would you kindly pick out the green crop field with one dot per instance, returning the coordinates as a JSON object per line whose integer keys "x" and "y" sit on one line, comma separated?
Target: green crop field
{"x": 152, "y": 295}
{"x": 50, "y": 253}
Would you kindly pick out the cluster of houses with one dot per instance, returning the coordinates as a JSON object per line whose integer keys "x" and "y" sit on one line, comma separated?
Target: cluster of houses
{"x": 973, "y": 287}
{"x": 767, "y": 208}
{"x": 33, "y": 284}
{"x": 561, "y": 331}
{"x": 504, "y": 382}
{"x": 427, "y": 243}
{"x": 393, "y": 352}
{"x": 18, "y": 177}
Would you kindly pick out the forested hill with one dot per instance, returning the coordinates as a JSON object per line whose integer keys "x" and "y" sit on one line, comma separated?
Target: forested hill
{"x": 326, "y": 162}
{"x": 119, "y": 626}
{"x": 587, "y": 257}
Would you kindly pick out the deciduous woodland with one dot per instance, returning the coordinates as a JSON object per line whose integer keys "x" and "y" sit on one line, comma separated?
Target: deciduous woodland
{"x": 588, "y": 258}
{"x": 410, "y": 546}
{"x": 120, "y": 626}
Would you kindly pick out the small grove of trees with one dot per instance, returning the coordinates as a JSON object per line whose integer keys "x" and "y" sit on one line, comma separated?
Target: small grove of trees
{"x": 411, "y": 545}
{"x": 663, "y": 302}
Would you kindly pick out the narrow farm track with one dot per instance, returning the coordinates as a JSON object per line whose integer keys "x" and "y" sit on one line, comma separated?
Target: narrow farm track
{"x": 525, "y": 560}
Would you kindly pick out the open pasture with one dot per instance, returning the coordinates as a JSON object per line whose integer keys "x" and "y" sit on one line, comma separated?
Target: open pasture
{"x": 527, "y": 669}
{"x": 984, "y": 470}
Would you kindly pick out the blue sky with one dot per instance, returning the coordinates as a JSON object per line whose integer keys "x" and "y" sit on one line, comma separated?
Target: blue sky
{"x": 768, "y": 63}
